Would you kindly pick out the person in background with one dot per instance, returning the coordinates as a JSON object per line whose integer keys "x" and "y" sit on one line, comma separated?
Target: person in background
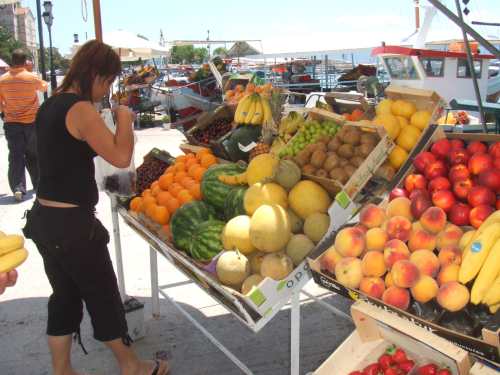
{"x": 7, "y": 279}
{"x": 19, "y": 104}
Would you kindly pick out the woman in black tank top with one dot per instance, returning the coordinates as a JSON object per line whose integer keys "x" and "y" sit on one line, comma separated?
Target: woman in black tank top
{"x": 71, "y": 240}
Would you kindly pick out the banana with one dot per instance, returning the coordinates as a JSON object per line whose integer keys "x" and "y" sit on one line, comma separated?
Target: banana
{"x": 2, "y": 234}
{"x": 466, "y": 238}
{"x": 477, "y": 253}
{"x": 259, "y": 114}
{"x": 13, "y": 259}
{"x": 492, "y": 219}
{"x": 10, "y": 243}
{"x": 492, "y": 296}
{"x": 251, "y": 111}
{"x": 266, "y": 107}
{"x": 242, "y": 109}
{"x": 487, "y": 275}
{"x": 494, "y": 308}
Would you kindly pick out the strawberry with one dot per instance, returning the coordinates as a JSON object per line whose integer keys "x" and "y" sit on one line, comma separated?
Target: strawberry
{"x": 392, "y": 371}
{"x": 430, "y": 369}
{"x": 399, "y": 356}
{"x": 406, "y": 366}
{"x": 356, "y": 373}
{"x": 444, "y": 371}
{"x": 373, "y": 369}
{"x": 385, "y": 361}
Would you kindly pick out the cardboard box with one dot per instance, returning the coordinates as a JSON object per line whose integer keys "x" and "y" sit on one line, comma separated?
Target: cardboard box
{"x": 376, "y": 330}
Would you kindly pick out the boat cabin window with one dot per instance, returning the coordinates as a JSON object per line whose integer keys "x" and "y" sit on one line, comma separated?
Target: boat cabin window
{"x": 433, "y": 66}
{"x": 463, "y": 70}
{"x": 401, "y": 67}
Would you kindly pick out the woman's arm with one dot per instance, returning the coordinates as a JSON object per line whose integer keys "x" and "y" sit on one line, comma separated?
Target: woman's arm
{"x": 84, "y": 123}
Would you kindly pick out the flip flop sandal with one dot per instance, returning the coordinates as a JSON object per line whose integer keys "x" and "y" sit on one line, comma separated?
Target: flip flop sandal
{"x": 157, "y": 368}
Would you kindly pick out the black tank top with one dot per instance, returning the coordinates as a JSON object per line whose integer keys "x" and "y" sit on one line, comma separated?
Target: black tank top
{"x": 66, "y": 163}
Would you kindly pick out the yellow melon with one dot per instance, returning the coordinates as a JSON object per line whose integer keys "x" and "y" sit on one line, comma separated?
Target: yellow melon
{"x": 276, "y": 266}
{"x": 403, "y": 108}
{"x": 402, "y": 121}
{"x": 236, "y": 235}
{"x": 408, "y": 137}
{"x": 232, "y": 268}
{"x": 390, "y": 124}
{"x": 270, "y": 228}
{"x": 397, "y": 157}
{"x": 262, "y": 168}
{"x": 421, "y": 119}
{"x": 250, "y": 283}
{"x": 384, "y": 107}
{"x": 308, "y": 197}
{"x": 259, "y": 194}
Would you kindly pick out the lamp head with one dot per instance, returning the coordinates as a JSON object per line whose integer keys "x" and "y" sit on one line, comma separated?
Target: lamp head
{"x": 47, "y": 5}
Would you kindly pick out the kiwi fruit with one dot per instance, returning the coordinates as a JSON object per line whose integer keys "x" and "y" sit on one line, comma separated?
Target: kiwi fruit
{"x": 357, "y": 160}
{"x": 318, "y": 158}
{"x": 331, "y": 162}
{"x": 343, "y": 162}
{"x": 346, "y": 151}
{"x": 304, "y": 154}
{"x": 301, "y": 160}
{"x": 386, "y": 171}
{"x": 308, "y": 169}
{"x": 350, "y": 169}
{"x": 310, "y": 148}
{"x": 334, "y": 144}
{"x": 369, "y": 138}
{"x": 341, "y": 132}
{"x": 321, "y": 146}
{"x": 321, "y": 173}
{"x": 366, "y": 148}
{"x": 324, "y": 139}
{"x": 339, "y": 174}
{"x": 352, "y": 137}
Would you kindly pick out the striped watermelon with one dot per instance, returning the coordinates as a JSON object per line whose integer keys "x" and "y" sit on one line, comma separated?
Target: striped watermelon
{"x": 207, "y": 241}
{"x": 233, "y": 206}
{"x": 214, "y": 192}
{"x": 186, "y": 219}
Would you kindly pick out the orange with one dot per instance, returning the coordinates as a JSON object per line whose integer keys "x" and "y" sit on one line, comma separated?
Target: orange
{"x": 161, "y": 215}
{"x": 250, "y": 88}
{"x": 179, "y": 176}
{"x": 170, "y": 169}
{"x": 259, "y": 89}
{"x": 192, "y": 169}
{"x": 208, "y": 160}
{"x": 239, "y": 88}
{"x": 146, "y": 192}
{"x": 229, "y": 93}
{"x": 180, "y": 166}
{"x": 146, "y": 201}
{"x": 166, "y": 180}
{"x": 195, "y": 191}
{"x": 198, "y": 175}
{"x": 166, "y": 230}
{"x": 184, "y": 196}
{"x": 180, "y": 159}
{"x": 174, "y": 189}
{"x": 190, "y": 162}
{"x": 155, "y": 190}
{"x": 150, "y": 210}
{"x": 163, "y": 197}
{"x": 187, "y": 182}
{"x": 202, "y": 151}
{"x": 190, "y": 156}
{"x": 172, "y": 205}
{"x": 136, "y": 204}
{"x": 155, "y": 183}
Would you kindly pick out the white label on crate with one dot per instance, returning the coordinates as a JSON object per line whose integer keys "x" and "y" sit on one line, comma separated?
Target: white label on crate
{"x": 248, "y": 147}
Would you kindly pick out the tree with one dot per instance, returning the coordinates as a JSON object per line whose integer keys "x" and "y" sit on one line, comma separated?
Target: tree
{"x": 7, "y": 45}
{"x": 200, "y": 55}
{"x": 188, "y": 54}
{"x": 220, "y": 51}
{"x": 59, "y": 61}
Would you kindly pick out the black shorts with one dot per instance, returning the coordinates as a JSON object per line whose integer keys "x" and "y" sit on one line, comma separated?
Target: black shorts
{"x": 73, "y": 245}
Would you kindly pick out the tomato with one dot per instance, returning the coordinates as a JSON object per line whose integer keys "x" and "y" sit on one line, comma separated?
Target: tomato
{"x": 430, "y": 369}
{"x": 399, "y": 356}
{"x": 385, "y": 361}
{"x": 373, "y": 369}
{"x": 444, "y": 371}
{"x": 406, "y": 366}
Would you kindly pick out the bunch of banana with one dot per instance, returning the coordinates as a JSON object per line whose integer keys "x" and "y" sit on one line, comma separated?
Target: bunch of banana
{"x": 253, "y": 109}
{"x": 12, "y": 252}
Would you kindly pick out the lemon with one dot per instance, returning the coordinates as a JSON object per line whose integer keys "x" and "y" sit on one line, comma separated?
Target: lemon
{"x": 408, "y": 137}
{"x": 397, "y": 157}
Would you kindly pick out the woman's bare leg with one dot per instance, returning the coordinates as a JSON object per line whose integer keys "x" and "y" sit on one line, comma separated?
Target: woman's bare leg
{"x": 60, "y": 349}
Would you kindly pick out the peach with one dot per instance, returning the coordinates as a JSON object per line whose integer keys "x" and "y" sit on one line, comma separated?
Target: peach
{"x": 372, "y": 286}
{"x": 453, "y": 296}
{"x": 373, "y": 264}
{"x": 399, "y": 207}
{"x": 421, "y": 239}
{"x": 376, "y": 239}
{"x": 450, "y": 255}
{"x": 449, "y": 237}
{"x": 348, "y": 272}
{"x": 361, "y": 227}
{"x": 372, "y": 216}
{"x": 425, "y": 289}
{"x": 405, "y": 274}
{"x": 399, "y": 227}
{"x": 416, "y": 225}
{"x": 448, "y": 273}
{"x": 395, "y": 250}
{"x": 433, "y": 220}
{"x": 426, "y": 261}
{"x": 350, "y": 242}
{"x": 329, "y": 259}
{"x": 388, "y": 280}
{"x": 397, "y": 297}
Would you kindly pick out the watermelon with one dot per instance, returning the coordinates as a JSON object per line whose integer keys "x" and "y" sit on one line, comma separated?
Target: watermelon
{"x": 233, "y": 206}
{"x": 186, "y": 219}
{"x": 243, "y": 135}
{"x": 207, "y": 242}
{"x": 214, "y": 192}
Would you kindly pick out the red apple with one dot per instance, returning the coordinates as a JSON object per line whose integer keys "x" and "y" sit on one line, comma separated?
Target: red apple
{"x": 497, "y": 205}
{"x": 443, "y": 199}
{"x": 459, "y": 214}
{"x": 417, "y": 192}
{"x": 439, "y": 183}
{"x": 494, "y": 150}
{"x": 479, "y": 214}
{"x": 441, "y": 148}
{"x": 490, "y": 179}
{"x": 458, "y": 172}
{"x": 422, "y": 160}
{"x": 397, "y": 192}
{"x": 480, "y": 162}
{"x": 415, "y": 181}
{"x": 436, "y": 169}
{"x": 481, "y": 195}
{"x": 418, "y": 206}
{"x": 458, "y": 157}
{"x": 476, "y": 147}
{"x": 457, "y": 144}
{"x": 461, "y": 188}
{"x": 496, "y": 163}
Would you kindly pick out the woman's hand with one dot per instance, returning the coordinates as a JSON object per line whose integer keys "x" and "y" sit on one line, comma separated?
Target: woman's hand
{"x": 7, "y": 279}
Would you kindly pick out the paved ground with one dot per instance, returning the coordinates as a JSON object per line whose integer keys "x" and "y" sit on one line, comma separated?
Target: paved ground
{"x": 23, "y": 308}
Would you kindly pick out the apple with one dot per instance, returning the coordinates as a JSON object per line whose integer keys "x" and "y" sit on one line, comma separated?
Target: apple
{"x": 476, "y": 147}
{"x": 415, "y": 181}
{"x": 417, "y": 192}
{"x": 461, "y": 188}
{"x": 439, "y": 183}
{"x": 481, "y": 195}
{"x": 479, "y": 214}
{"x": 457, "y": 144}
{"x": 422, "y": 160}
{"x": 494, "y": 150}
{"x": 443, "y": 199}
{"x": 490, "y": 179}
{"x": 497, "y": 205}
{"x": 458, "y": 172}
{"x": 480, "y": 162}
{"x": 397, "y": 192}
{"x": 459, "y": 214}
{"x": 496, "y": 163}
{"x": 418, "y": 206}
{"x": 441, "y": 148}
{"x": 458, "y": 157}
{"x": 436, "y": 169}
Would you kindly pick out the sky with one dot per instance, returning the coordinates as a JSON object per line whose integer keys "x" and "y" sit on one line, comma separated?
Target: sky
{"x": 283, "y": 26}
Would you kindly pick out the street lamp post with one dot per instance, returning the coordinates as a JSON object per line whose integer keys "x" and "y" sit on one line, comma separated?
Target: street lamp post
{"x": 48, "y": 19}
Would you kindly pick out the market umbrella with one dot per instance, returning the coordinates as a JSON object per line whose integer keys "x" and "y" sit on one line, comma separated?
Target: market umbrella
{"x": 132, "y": 46}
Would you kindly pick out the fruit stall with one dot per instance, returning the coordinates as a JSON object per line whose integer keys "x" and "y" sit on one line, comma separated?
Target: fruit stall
{"x": 259, "y": 204}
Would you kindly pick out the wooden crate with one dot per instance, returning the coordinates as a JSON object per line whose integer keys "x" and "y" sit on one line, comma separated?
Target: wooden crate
{"x": 376, "y": 330}
{"x": 206, "y": 119}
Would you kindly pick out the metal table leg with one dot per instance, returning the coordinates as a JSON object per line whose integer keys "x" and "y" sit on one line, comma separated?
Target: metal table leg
{"x": 155, "y": 290}
{"x": 295, "y": 334}
{"x": 118, "y": 248}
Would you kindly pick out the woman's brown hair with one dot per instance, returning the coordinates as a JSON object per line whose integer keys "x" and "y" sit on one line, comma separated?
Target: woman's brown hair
{"x": 93, "y": 59}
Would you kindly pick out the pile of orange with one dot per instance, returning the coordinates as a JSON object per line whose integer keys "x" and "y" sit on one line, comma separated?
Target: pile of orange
{"x": 239, "y": 92}
{"x": 179, "y": 184}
